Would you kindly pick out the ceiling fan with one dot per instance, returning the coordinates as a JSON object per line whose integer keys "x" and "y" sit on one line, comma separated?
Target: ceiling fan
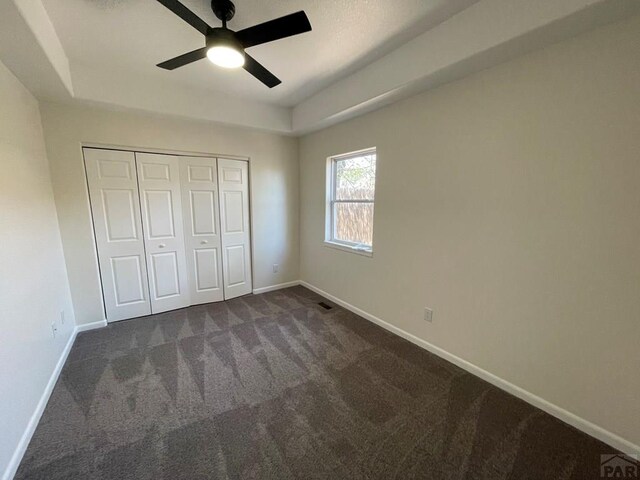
{"x": 225, "y": 47}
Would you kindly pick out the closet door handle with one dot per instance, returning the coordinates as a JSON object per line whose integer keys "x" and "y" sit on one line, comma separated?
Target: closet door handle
{"x": 203, "y": 242}
{"x": 162, "y": 245}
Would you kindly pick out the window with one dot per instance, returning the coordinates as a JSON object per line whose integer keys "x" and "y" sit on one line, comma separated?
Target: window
{"x": 351, "y": 184}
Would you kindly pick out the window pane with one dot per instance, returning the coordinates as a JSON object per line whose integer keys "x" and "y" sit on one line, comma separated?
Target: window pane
{"x": 356, "y": 178}
{"x": 354, "y": 222}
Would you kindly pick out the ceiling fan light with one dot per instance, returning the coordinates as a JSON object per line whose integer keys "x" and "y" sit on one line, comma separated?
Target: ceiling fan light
{"x": 226, "y": 57}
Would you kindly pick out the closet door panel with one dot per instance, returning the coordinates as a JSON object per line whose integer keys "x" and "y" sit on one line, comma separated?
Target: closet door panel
{"x": 129, "y": 284}
{"x": 207, "y": 269}
{"x": 233, "y": 177}
{"x": 159, "y": 213}
{"x": 201, "y": 222}
{"x": 115, "y": 207}
{"x": 236, "y": 265}
{"x": 159, "y": 188}
{"x": 165, "y": 270}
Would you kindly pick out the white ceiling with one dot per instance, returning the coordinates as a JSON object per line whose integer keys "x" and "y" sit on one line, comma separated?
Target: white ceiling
{"x": 132, "y": 36}
{"x": 361, "y": 54}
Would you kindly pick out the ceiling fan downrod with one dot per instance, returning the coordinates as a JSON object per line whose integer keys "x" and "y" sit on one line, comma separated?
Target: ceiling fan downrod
{"x": 224, "y": 10}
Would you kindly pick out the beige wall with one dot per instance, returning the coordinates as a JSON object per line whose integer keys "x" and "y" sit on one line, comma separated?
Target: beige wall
{"x": 509, "y": 202}
{"x": 33, "y": 280}
{"x": 274, "y": 180}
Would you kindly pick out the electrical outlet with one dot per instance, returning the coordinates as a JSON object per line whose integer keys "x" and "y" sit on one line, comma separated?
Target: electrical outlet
{"x": 54, "y": 329}
{"x": 62, "y": 317}
{"x": 276, "y": 268}
{"x": 428, "y": 315}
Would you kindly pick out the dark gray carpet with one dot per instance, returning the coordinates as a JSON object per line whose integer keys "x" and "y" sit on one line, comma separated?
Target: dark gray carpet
{"x": 274, "y": 386}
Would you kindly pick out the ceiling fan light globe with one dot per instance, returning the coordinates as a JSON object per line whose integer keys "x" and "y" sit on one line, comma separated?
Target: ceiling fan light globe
{"x": 226, "y": 57}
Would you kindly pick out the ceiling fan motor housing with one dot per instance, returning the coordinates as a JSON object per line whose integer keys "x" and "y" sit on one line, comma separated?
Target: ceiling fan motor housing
{"x": 219, "y": 37}
{"x": 223, "y": 9}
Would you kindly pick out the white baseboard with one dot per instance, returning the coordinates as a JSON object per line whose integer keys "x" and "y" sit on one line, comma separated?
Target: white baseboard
{"x": 91, "y": 326}
{"x": 595, "y": 431}
{"x": 587, "y": 427}
{"x": 14, "y": 463}
{"x": 21, "y": 448}
{"x": 272, "y": 288}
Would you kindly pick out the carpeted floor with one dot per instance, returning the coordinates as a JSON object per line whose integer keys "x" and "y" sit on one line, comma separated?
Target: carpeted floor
{"x": 274, "y": 386}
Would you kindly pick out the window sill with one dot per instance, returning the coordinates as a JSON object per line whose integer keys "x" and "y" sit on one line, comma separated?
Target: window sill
{"x": 349, "y": 249}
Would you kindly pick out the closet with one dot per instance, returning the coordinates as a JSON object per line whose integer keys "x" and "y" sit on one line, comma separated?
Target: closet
{"x": 171, "y": 231}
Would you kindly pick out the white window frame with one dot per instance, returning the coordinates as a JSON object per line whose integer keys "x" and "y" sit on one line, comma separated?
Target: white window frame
{"x": 329, "y": 240}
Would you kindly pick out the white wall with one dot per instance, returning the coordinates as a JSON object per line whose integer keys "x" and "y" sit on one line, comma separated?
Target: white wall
{"x": 33, "y": 280}
{"x": 509, "y": 202}
{"x": 274, "y": 181}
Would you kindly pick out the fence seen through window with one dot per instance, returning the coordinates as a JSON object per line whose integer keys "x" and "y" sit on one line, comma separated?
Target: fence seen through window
{"x": 352, "y": 196}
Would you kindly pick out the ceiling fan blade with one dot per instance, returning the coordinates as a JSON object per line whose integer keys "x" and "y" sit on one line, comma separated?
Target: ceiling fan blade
{"x": 261, "y": 73}
{"x": 187, "y": 15}
{"x": 282, "y": 27}
{"x": 184, "y": 59}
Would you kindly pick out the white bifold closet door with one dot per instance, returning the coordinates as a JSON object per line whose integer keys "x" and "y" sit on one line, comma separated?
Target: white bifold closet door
{"x": 171, "y": 231}
{"x": 199, "y": 179}
{"x": 233, "y": 178}
{"x": 160, "y": 200}
{"x": 115, "y": 205}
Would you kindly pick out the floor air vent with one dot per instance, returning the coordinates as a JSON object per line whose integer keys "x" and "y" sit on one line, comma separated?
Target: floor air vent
{"x": 325, "y": 306}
